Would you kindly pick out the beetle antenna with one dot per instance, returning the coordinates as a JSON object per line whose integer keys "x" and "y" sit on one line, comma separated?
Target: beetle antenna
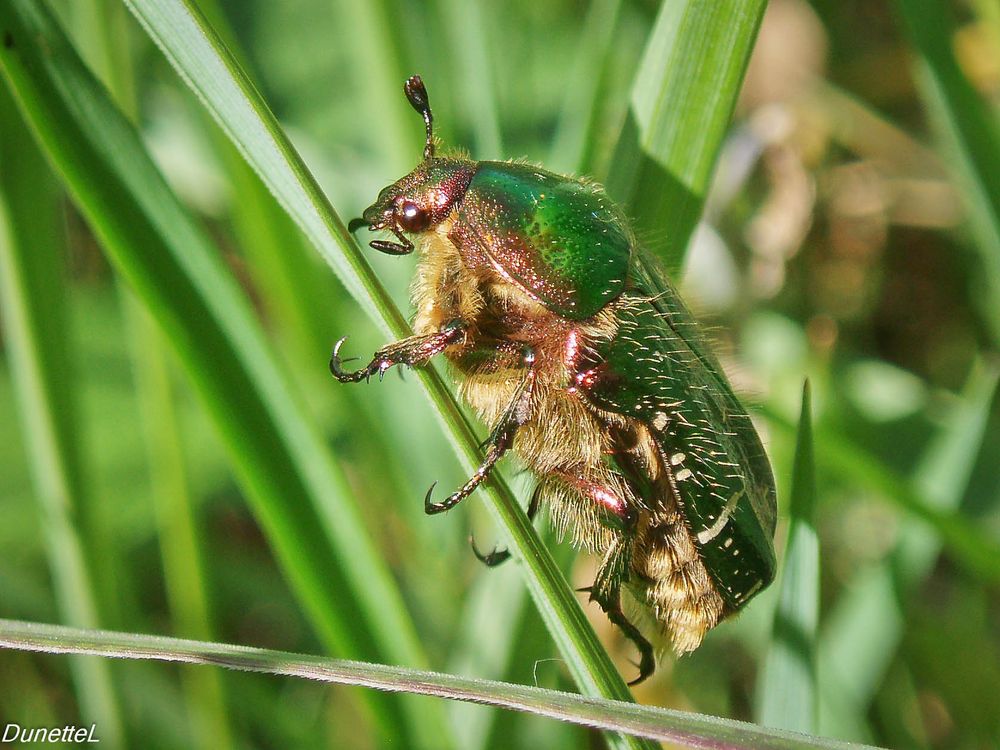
{"x": 416, "y": 93}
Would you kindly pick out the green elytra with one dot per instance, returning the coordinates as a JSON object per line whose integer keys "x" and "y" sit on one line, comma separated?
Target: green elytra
{"x": 567, "y": 246}
{"x": 658, "y": 370}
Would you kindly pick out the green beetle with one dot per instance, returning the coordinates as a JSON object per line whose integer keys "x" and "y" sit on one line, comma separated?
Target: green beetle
{"x": 571, "y": 343}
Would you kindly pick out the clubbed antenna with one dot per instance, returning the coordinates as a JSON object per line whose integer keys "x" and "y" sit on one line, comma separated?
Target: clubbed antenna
{"x": 416, "y": 93}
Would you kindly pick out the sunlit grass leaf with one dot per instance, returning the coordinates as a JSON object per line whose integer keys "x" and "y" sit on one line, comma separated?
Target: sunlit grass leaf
{"x": 298, "y": 494}
{"x": 181, "y": 545}
{"x": 470, "y": 40}
{"x": 494, "y": 614}
{"x": 788, "y": 691}
{"x": 682, "y": 101}
{"x": 101, "y": 35}
{"x": 375, "y": 64}
{"x": 685, "y": 729}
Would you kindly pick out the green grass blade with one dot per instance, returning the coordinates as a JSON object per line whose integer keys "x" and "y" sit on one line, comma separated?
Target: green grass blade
{"x": 493, "y": 613}
{"x": 203, "y": 61}
{"x": 298, "y": 494}
{"x": 289, "y": 281}
{"x": 470, "y": 43}
{"x": 292, "y": 285}
{"x": 686, "y": 729}
{"x": 205, "y": 64}
{"x": 970, "y": 134}
{"x": 788, "y": 691}
{"x": 864, "y": 630}
{"x": 578, "y": 114}
{"x": 966, "y": 544}
{"x": 682, "y": 100}
{"x": 180, "y": 545}
{"x": 988, "y": 13}
{"x": 33, "y": 319}
{"x": 375, "y": 67}
{"x": 102, "y": 30}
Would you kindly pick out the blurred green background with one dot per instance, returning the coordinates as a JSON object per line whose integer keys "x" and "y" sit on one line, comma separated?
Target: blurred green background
{"x": 848, "y": 237}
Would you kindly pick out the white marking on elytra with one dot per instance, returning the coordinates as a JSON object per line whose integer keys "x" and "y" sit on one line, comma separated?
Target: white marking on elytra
{"x": 676, "y": 459}
{"x": 753, "y": 589}
{"x": 660, "y": 420}
{"x": 684, "y": 474}
{"x": 716, "y": 528}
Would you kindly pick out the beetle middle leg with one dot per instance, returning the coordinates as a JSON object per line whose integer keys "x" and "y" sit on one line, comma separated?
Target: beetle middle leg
{"x": 500, "y": 556}
{"x": 517, "y": 413}
{"x": 413, "y": 351}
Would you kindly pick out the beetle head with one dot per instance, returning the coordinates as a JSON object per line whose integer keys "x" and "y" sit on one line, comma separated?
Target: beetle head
{"x": 422, "y": 199}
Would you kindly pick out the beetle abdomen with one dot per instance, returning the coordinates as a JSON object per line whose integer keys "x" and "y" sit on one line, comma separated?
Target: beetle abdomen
{"x": 679, "y": 588}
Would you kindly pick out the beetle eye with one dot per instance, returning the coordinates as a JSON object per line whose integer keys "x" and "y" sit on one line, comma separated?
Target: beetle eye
{"x": 411, "y": 217}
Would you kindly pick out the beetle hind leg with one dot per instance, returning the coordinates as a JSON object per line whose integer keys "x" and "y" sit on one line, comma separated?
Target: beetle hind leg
{"x": 647, "y": 663}
{"x": 606, "y": 591}
{"x": 617, "y": 511}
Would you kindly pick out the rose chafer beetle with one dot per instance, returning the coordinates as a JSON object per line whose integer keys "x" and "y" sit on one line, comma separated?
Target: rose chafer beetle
{"x": 573, "y": 345}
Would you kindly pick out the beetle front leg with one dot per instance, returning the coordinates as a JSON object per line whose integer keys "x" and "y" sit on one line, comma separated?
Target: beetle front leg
{"x": 516, "y": 414}
{"x": 413, "y": 352}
